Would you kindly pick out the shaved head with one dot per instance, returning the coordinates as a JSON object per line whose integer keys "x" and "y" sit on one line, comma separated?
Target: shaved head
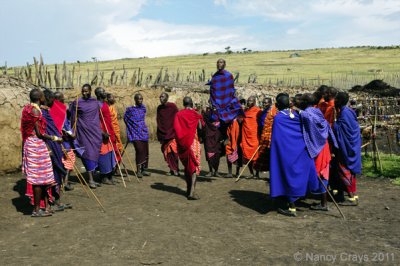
{"x": 35, "y": 95}
{"x": 59, "y": 96}
{"x": 282, "y": 101}
{"x": 187, "y": 102}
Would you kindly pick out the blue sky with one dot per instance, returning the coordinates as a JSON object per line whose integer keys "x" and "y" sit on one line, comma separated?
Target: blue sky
{"x": 110, "y": 29}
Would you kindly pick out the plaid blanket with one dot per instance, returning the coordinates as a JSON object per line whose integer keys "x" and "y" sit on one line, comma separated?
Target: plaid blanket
{"x": 222, "y": 96}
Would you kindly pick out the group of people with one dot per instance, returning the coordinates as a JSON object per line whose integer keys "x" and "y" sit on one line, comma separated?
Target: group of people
{"x": 54, "y": 135}
{"x": 308, "y": 143}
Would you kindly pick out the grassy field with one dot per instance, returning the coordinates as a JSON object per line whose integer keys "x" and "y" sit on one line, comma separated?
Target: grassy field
{"x": 390, "y": 166}
{"x": 340, "y": 67}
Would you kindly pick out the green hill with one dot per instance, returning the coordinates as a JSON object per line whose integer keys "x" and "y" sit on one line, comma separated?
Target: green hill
{"x": 340, "y": 67}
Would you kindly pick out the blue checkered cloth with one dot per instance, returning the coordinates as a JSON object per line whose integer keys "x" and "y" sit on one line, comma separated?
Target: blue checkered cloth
{"x": 316, "y": 131}
{"x": 222, "y": 96}
{"x": 136, "y": 128}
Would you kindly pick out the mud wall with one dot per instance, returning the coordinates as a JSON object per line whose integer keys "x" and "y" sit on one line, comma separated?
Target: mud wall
{"x": 14, "y": 94}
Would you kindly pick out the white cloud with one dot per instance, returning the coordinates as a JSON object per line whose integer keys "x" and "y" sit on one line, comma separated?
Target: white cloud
{"x": 156, "y": 38}
{"x": 221, "y": 2}
{"x": 325, "y": 23}
{"x": 357, "y": 8}
{"x": 291, "y": 10}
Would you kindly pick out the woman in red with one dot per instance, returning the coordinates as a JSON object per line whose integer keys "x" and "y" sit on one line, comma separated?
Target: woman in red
{"x": 36, "y": 162}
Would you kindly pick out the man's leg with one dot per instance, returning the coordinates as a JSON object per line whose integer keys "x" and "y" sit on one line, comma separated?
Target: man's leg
{"x": 67, "y": 185}
{"x": 291, "y": 210}
{"x": 139, "y": 170}
{"x": 229, "y": 175}
{"x": 192, "y": 195}
{"x": 37, "y": 196}
{"x": 237, "y": 170}
{"x": 251, "y": 169}
{"x": 210, "y": 169}
{"x": 92, "y": 184}
{"x": 188, "y": 180}
{"x": 216, "y": 164}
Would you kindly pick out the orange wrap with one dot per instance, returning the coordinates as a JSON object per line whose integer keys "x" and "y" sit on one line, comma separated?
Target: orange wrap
{"x": 115, "y": 125}
{"x": 250, "y": 133}
{"x": 330, "y": 112}
{"x": 232, "y": 132}
{"x": 266, "y": 134}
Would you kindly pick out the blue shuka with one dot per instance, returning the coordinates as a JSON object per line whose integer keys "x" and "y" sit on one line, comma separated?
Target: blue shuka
{"x": 347, "y": 131}
{"x": 222, "y": 96}
{"x": 56, "y": 151}
{"x": 316, "y": 131}
{"x": 292, "y": 169}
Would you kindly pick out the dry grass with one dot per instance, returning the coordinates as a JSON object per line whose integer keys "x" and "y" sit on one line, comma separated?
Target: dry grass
{"x": 340, "y": 67}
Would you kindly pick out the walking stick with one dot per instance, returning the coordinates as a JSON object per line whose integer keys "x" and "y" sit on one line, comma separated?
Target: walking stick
{"x": 112, "y": 146}
{"x": 76, "y": 114}
{"x": 238, "y": 178}
{"x": 80, "y": 181}
{"x": 123, "y": 164}
{"x": 81, "y": 178}
{"x": 330, "y": 195}
{"x": 129, "y": 160}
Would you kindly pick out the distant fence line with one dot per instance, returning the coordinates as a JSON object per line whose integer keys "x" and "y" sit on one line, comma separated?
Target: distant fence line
{"x": 64, "y": 77}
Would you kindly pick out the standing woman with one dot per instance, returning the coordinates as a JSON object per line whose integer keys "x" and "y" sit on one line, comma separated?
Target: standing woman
{"x": 138, "y": 133}
{"x": 36, "y": 162}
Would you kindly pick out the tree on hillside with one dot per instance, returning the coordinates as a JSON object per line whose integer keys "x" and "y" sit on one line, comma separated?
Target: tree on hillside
{"x": 228, "y": 50}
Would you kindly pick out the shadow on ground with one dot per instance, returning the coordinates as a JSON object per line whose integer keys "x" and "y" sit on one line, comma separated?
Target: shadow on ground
{"x": 256, "y": 201}
{"x": 167, "y": 188}
{"x": 21, "y": 203}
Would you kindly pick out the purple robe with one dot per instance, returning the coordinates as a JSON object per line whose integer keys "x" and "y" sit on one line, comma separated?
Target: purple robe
{"x": 292, "y": 169}
{"x": 316, "y": 130}
{"x": 88, "y": 129}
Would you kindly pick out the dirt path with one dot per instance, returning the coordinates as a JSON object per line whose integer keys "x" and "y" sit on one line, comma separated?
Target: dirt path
{"x": 233, "y": 224}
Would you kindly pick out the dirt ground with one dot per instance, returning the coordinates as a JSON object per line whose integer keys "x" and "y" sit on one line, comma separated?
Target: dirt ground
{"x": 151, "y": 223}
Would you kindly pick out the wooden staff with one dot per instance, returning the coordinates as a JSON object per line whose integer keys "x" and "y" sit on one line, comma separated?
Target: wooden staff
{"x": 374, "y": 139}
{"x": 76, "y": 114}
{"x": 238, "y": 178}
{"x": 129, "y": 160}
{"x": 366, "y": 144}
{"x": 389, "y": 142}
{"x": 330, "y": 195}
{"x": 82, "y": 179}
{"x": 112, "y": 146}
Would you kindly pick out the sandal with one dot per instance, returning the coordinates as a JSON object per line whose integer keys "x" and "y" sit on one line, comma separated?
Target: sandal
{"x": 349, "y": 202}
{"x": 93, "y": 185}
{"x": 194, "y": 197}
{"x": 210, "y": 174}
{"x": 287, "y": 212}
{"x": 68, "y": 187}
{"x": 66, "y": 206}
{"x": 58, "y": 208}
{"x": 144, "y": 173}
{"x": 319, "y": 207}
{"x": 216, "y": 174}
{"x": 41, "y": 213}
{"x": 107, "y": 181}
